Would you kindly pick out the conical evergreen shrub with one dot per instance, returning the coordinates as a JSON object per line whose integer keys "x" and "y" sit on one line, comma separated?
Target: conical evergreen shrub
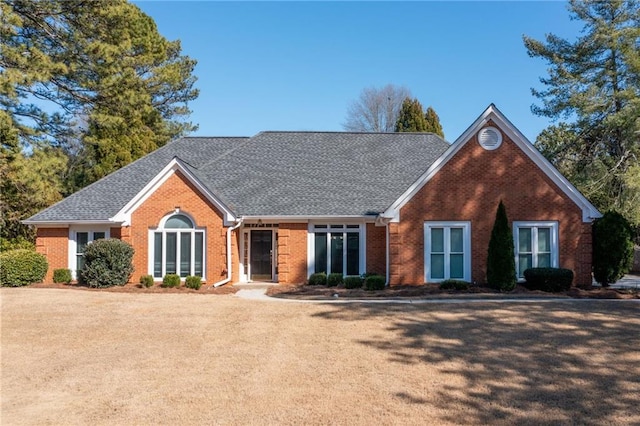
{"x": 501, "y": 264}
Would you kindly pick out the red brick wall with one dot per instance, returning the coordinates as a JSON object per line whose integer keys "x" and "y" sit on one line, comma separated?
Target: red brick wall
{"x": 178, "y": 191}
{"x": 54, "y": 244}
{"x": 469, "y": 188}
{"x": 376, "y": 249}
{"x": 292, "y": 253}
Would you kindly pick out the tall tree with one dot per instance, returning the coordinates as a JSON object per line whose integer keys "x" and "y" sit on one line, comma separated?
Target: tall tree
{"x": 92, "y": 80}
{"x": 411, "y": 117}
{"x": 433, "y": 122}
{"x": 376, "y": 109}
{"x": 594, "y": 85}
{"x": 501, "y": 266}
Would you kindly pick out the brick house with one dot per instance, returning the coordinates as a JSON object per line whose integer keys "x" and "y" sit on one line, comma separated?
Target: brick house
{"x": 280, "y": 206}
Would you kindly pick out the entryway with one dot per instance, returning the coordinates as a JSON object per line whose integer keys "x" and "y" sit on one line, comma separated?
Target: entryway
{"x": 263, "y": 255}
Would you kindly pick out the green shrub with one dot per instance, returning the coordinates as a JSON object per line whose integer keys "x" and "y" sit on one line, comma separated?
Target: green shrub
{"x": 548, "y": 279}
{"x": 612, "y": 248}
{"x": 107, "y": 263}
{"x": 353, "y": 282}
{"x": 194, "y": 282}
{"x": 22, "y": 267}
{"x": 374, "y": 282}
{"x": 16, "y": 243}
{"x": 454, "y": 285}
{"x": 62, "y": 276}
{"x": 171, "y": 280}
{"x": 146, "y": 281}
{"x": 501, "y": 264}
{"x": 334, "y": 279}
{"x": 319, "y": 278}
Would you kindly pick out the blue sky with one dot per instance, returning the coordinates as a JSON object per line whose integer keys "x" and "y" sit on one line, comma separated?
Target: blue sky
{"x": 298, "y": 65}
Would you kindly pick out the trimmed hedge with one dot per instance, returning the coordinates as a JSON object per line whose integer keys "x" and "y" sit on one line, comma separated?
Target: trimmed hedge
{"x": 374, "y": 282}
{"x": 146, "y": 281}
{"x": 548, "y": 279}
{"x": 107, "y": 263}
{"x": 62, "y": 276}
{"x": 319, "y": 278}
{"x": 22, "y": 267}
{"x": 171, "y": 280}
{"x": 454, "y": 285}
{"x": 193, "y": 281}
{"x": 334, "y": 279}
{"x": 352, "y": 282}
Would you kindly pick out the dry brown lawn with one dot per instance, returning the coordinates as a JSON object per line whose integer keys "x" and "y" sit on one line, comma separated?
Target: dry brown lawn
{"x": 93, "y": 357}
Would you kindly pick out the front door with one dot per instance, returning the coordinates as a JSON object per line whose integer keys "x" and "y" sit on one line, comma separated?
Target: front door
{"x": 261, "y": 255}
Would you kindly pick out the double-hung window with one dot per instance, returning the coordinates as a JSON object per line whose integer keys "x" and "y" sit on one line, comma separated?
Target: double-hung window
{"x": 81, "y": 237}
{"x": 337, "y": 249}
{"x": 536, "y": 245}
{"x": 177, "y": 247}
{"x": 447, "y": 251}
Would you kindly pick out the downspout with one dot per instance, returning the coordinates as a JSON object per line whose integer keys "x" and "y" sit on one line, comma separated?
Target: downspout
{"x": 229, "y": 255}
{"x": 386, "y": 225}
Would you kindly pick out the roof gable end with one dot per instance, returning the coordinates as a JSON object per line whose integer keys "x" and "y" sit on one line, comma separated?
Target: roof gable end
{"x": 493, "y": 114}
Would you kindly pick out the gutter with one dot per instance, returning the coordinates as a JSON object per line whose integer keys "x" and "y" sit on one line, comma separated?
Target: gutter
{"x": 229, "y": 256}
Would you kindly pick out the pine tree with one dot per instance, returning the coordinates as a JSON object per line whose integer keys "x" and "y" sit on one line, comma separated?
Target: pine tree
{"x": 433, "y": 122}
{"x": 501, "y": 267}
{"x": 411, "y": 117}
{"x": 595, "y": 82}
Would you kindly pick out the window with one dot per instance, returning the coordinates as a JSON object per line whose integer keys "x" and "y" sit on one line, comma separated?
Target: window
{"x": 536, "y": 245}
{"x": 80, "y": 239}
{"x": 447, "y": 251}
{"x": 337, "y": 249}
{"x": 177, "y": 247}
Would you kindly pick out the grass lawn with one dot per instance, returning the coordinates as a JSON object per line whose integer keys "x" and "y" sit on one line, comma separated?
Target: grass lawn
{"x": 92, "y": 357}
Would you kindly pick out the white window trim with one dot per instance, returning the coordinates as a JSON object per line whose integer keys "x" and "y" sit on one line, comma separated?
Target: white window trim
{"x": 555, "y": 247}
{"x": 466, "y": 241}
{"x": 73, "y": 243}
{"x": 311, "y": 246}
{"x": 161, "y": 229}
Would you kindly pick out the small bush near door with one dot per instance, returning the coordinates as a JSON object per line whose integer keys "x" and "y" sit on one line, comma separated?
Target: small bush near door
{"x": 454, "y": 285}
{"x": 352, "y": 282}
{"x": 62, "y": 276}
{"x": 319, "y": 278}
{"x": 334, "y": 279}
{"x": 171, "y": 280}
{"x": 193, "y": 282}
{"x": 107, "y": 263}
{"x": 548, "y": 279}
{"x": 374, "y": 282}
{"x": 146, "y": 281}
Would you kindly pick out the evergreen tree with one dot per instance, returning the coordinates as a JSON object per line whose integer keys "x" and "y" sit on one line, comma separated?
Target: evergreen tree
{"x": 411, "y": 117}
{"x": 595, "y": 82}
{"x": 501, "y": 267}
{"x": 433, "y": 122}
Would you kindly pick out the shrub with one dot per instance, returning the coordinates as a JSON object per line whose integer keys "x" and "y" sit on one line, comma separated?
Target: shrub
{"x": 22, "y": 267}
{"x": 16, "y": 243}
{"x": 194, "y": 282}
{"x": 107, "y": 263}
{"x": 374, "y": 282}
{"x": 612, "y": 248}
{"x": 548, "y": 279}
{"x": 454, "y": 285}
{"x": 146, "y": 281}
{"x": 319, "y": 278}
{"x": 334, "y": 279}
{"x": 353, "y": 282}
{"x": 62, "y": 275}
{"x": 171, "y": 280}
{"x": 501, "y": 264}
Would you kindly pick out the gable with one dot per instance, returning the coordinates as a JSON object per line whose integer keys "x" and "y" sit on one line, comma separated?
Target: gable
{"x": 497, "y": 160}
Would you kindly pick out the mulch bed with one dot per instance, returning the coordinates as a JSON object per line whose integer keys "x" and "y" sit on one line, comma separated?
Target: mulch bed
{"x": 433, "y": 291}
{"x": 138, "y": 288}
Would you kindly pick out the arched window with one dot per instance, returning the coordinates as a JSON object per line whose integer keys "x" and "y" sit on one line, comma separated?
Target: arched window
{"x": 178, "y": 248}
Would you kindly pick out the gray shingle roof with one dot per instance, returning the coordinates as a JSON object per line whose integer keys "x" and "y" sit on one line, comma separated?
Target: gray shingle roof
{"x": 274, "y": 173}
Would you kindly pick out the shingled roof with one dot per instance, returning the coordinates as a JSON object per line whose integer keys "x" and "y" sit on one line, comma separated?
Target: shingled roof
{"x": 273, "y": 174}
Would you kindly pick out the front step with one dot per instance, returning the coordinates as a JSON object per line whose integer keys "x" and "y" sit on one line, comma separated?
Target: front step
{"x": 254, "y": 285}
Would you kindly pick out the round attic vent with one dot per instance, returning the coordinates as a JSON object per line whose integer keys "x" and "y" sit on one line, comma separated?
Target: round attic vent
{"x": 489, "y": 138}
